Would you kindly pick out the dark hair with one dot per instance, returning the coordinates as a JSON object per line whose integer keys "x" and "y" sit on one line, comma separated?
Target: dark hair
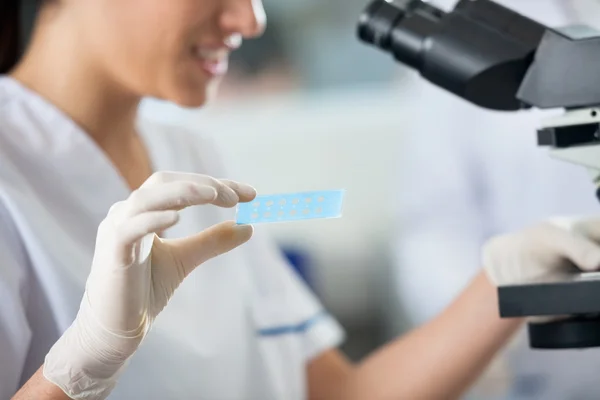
{"x": 10, "y": 34}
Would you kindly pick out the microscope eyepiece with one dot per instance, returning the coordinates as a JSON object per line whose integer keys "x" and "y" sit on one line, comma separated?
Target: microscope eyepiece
{"x": 479, "y": 51}
{"x": 400, "y": 27}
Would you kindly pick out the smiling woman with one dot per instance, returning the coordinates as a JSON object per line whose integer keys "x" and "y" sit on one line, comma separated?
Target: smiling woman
{"x": 151, "y": 48}
{"x": 81, "y": 165}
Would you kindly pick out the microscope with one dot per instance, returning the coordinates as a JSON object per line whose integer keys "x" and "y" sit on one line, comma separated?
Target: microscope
{"x": 500, "y": 60}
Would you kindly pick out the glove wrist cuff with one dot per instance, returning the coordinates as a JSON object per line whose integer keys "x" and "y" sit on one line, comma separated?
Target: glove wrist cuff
{"x": 76, "y": 366}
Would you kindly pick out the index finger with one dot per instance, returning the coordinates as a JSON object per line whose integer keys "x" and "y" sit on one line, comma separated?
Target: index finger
{"x": 229, "y": 193}
{"x": 245, "y": 192}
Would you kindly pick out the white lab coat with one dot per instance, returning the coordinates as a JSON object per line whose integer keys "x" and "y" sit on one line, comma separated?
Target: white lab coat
{"x": 468, "y": 174}
{"x": 242, "y": 326}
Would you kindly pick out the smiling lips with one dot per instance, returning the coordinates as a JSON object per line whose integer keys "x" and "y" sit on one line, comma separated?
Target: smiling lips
{"x": 214, "y": 61}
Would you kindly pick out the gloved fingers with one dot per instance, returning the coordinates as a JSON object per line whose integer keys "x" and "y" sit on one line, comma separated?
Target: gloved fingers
{"x": 589, "y": 228}
{"x": 194, "y": 250}
{"x": 246, "y": 193}
{"x": 537, "y": 252}
{"x": 582, "y": 252}
{"x": 169, "y": 196}
{"x": 227, "y": 196}
{"x": 143, "y": 224}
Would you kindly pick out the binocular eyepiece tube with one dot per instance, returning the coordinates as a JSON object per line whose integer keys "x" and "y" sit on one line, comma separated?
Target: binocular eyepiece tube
{"x": 479, "y": 51}
{"x": 400, "y": 27}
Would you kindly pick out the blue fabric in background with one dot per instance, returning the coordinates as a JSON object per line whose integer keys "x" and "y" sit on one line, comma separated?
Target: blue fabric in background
{"x": 300, "y": 261}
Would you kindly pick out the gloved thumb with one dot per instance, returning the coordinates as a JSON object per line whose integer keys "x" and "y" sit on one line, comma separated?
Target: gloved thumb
{"x": 194, "y": 250}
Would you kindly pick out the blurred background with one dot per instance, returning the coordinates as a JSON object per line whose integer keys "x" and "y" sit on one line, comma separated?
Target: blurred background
{"x": 309, "y": 107}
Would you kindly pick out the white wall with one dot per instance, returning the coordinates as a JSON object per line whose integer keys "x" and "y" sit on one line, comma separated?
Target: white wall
{"x": 344, "y": 139}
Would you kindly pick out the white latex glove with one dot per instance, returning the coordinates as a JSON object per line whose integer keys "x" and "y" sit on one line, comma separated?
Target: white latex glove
{"x": 135, "y": 273}
{"x": 538, "y": 252}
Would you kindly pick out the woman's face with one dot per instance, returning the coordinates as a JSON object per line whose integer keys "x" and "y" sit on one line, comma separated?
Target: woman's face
{"x": 169, "y": 49}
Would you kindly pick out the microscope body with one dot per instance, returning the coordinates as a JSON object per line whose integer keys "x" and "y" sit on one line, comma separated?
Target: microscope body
{"x": 498, "y": 59}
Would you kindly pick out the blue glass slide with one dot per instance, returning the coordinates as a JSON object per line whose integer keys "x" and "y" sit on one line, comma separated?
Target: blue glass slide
{"x": 291, "y": 207}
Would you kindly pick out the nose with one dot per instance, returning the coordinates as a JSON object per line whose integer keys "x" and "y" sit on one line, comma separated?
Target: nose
{"x": 243, "y": 17}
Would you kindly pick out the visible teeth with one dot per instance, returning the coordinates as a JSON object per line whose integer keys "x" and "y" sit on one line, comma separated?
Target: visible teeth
{"x": 234, "y": 41}
{"x": 211, "y": 55}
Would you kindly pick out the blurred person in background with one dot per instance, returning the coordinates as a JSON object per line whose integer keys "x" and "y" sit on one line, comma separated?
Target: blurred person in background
{"x": 104, "y": 216}
{"x": 468, "y": 174}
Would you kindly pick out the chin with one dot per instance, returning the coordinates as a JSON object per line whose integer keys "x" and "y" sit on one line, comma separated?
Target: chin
{"x": 196, "y": 101}
{"x": 189, "y": 99}
{"x": 194, "y": 96}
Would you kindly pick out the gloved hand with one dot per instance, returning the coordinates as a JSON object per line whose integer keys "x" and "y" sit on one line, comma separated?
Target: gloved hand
{"x": 134, "y": 274}
{"x": 535, "y": 253}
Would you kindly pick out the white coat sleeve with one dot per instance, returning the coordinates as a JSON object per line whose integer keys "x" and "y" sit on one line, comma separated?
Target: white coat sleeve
{"x": 15, "y": 332}
{"x": 441, "y": 212}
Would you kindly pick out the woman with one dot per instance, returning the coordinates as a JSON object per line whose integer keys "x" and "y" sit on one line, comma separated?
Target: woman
{"x": 94, "y": 242}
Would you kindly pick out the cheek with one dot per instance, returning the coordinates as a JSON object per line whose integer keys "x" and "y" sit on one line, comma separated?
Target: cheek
{"x": 146, "y": 45}
{"x": 142, "y": 43}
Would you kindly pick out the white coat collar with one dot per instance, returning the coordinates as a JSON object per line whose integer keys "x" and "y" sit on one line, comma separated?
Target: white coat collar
{"x": 55, "y": 142}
